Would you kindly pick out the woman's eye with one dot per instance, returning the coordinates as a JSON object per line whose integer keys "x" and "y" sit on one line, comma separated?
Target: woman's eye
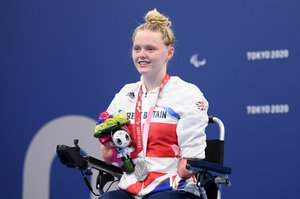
{"x": 136, "y": 49}
{"x": 150, "y": 49}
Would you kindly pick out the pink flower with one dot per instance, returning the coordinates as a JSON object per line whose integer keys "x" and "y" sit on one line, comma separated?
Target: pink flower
{"x": 104, "y": 115}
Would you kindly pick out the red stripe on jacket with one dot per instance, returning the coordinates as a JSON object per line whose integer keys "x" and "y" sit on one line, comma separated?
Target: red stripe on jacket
{"x": 160, "y": 140}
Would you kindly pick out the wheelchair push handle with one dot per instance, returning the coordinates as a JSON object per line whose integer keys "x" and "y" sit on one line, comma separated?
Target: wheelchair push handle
{"x": 212, "y": 119}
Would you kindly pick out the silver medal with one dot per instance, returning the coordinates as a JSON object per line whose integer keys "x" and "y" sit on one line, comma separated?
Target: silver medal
{"x": 141, "y": 170}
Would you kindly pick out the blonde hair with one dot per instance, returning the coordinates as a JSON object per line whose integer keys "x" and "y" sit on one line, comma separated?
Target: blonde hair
{"x": 157, "y": 22}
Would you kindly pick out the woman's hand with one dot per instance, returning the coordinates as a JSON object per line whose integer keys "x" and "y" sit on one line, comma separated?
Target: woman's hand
{"x": 108, "y": 151}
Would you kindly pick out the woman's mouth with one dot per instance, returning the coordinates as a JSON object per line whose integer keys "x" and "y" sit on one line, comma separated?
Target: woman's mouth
{"x": 143, "y": 63}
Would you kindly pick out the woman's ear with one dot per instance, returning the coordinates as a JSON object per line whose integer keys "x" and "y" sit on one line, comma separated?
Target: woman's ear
{"x": 171, "y": 51}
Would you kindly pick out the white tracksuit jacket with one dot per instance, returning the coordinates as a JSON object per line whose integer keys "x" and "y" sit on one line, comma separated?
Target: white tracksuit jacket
{"x": 177, "y": 130}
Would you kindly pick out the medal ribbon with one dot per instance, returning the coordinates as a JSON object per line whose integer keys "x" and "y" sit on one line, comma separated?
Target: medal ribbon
{"x": 142, "y": 139}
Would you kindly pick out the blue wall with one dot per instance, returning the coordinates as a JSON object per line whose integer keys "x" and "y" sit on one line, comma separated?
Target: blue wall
{"x": 69, "y": 57}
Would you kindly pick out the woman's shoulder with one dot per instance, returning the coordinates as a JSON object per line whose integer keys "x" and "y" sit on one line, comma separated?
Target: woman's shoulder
{"x": 186, "y": 92}
{"x": 130, "y": 87}
{"x": 182, "y": 85}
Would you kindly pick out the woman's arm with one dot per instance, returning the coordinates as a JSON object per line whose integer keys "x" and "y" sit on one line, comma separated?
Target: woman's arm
{"x": 182, "y": 171}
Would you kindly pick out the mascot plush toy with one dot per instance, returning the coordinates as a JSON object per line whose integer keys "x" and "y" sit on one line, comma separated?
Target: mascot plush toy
{"x": 113, "y": 127}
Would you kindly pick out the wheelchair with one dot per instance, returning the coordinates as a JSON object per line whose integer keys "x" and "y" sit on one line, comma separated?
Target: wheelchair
{"x": 211, "y": 174}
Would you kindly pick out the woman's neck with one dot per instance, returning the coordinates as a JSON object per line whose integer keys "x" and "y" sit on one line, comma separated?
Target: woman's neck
{"x": 152, "y": 83}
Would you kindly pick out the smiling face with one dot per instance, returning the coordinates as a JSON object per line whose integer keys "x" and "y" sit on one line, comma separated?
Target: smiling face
{"x": 150, "y": 55}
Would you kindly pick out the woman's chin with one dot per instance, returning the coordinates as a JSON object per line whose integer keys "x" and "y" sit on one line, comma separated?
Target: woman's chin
{"x": 143, "y": 72}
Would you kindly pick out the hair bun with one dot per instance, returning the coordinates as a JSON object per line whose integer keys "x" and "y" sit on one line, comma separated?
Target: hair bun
{"x": 154, "y": 17}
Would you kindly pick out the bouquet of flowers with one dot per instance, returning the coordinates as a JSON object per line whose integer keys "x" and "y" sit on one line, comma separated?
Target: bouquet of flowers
{"x": 107, "y": 123}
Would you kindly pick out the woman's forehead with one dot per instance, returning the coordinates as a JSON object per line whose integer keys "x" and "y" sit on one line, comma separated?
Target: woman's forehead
{"x": 146, "y": 36}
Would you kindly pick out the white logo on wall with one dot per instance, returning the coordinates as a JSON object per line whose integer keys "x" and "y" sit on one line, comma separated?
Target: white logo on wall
{"x": 267, "y": 109}
{"x": 41, "y": 152}
{"x": 194, "y": 60}
{"x": 267, "y": 54}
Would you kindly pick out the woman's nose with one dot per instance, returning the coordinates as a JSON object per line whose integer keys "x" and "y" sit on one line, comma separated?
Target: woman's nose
{"x": 142, "y": 53}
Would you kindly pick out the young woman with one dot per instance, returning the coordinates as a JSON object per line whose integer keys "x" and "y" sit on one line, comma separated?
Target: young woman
{"x": 168, "y": 117}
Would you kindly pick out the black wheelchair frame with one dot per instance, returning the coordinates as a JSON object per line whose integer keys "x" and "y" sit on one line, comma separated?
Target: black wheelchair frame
{"x": 211, "y": 173}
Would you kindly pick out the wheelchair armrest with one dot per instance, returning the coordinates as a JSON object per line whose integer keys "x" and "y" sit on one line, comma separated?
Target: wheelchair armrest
{"x": 203, "y": 166}
{"x": 102, "y": 166}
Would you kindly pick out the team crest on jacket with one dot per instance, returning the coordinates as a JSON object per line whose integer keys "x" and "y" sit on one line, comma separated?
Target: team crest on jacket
{"x": 200, "y": 106}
